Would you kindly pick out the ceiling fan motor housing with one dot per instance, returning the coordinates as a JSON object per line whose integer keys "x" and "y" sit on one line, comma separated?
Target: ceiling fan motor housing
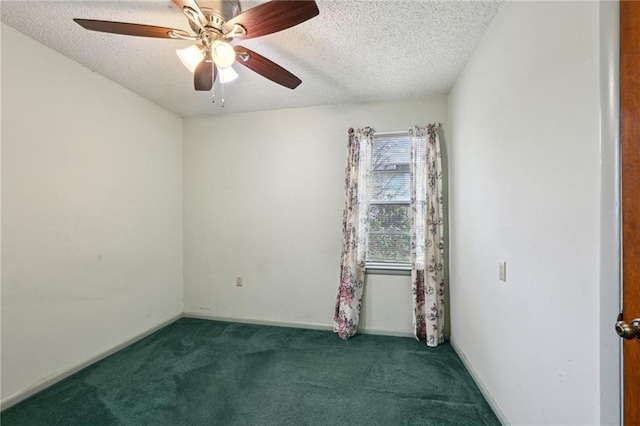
{"x": 218, "y": 12}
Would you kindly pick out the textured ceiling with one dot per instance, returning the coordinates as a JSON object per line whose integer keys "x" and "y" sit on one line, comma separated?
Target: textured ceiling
{"x": 354, "y": 51}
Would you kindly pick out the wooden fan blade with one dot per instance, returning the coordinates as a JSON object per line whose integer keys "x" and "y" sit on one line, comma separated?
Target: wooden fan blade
{"x": 266, "y": 68}
{"x": 181, "y": 4}
{"x": 274, "y": 16}
{"x": 128, "y": 29}
{"x": 203, "y": 76}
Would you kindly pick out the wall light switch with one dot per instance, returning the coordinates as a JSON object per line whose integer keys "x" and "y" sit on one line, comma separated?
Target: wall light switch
{"x": 239, "y": 281}
{"x": 503, "y": 270}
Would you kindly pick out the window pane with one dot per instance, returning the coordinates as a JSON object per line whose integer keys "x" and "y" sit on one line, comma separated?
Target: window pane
{"x": 391, "y": 154}
{"x": 388, "y": 248}
{"x": 389, "y": 226}
{"x": 389, "y": 186}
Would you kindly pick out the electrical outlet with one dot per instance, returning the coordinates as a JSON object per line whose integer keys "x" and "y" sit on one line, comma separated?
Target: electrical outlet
{"x": 239, "y": 281}
{"x": 503, "y": 270}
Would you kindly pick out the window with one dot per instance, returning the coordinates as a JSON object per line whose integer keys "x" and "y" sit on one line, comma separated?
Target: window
{"x": 389, "y": 244}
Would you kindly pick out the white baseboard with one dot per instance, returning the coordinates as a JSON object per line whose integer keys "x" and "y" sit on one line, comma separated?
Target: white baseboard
{"x": 257, "y": 321}
{"x": 26, "y": 393}
{"x": 483, "y": 388}
{"x": 379, "y": 332}
{"x": 313, "y": 326}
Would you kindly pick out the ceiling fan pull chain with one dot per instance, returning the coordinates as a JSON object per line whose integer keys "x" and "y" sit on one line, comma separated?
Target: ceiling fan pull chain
{"x": 213, "y": 94}
{"x": 222, "y": 101}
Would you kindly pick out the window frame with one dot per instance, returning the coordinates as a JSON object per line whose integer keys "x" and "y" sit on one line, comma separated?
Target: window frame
{"x": 388, "y": 268}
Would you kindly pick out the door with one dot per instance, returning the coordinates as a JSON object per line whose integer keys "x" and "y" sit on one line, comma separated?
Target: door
{"x": 630, "y": 154}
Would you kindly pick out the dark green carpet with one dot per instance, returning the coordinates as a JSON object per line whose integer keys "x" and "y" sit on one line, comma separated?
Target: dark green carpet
{"x": 198, "y": 372}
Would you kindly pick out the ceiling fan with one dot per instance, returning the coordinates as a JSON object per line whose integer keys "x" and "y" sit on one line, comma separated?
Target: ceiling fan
{"x": 215, "y": 24}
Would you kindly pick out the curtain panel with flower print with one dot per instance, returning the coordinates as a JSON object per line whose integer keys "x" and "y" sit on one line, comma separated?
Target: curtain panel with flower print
{"x": 354, "y": 233}
{"x": 427, "y": 235}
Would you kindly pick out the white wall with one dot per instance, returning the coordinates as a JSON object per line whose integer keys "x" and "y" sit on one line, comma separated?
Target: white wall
{"x": 263, "y": 198}
{"x": 610, "y": 222}
{"x": 92, "y": 214}
{"x": 525, "y": 187}
{"x": 0, "y": 211}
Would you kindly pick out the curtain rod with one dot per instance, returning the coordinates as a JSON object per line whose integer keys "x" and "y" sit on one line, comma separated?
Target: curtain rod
{"x": 392, "y": 133}
{"x": 401, "y": 132}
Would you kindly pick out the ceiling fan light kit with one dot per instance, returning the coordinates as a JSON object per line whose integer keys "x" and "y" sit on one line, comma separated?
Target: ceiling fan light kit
{"x": 216, "y": 24}
{"x": 227, "y": 75}
{"x": 190, "y": 57}
{"x": 223, "y": 54}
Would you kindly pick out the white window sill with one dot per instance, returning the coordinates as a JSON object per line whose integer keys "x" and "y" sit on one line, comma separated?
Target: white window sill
{"x": 388, "y": 268}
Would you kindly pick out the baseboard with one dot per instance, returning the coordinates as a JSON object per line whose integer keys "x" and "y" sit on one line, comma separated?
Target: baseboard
{"x": 256, "y": 321}
{"x": 24, "y": 394}
{"x": 312, "y": 326}
{"x": 483, "y": 388}
{"x": 379, "y": 332}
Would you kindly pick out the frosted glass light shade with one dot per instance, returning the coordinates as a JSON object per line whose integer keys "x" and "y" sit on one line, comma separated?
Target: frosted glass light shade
{"x": 190, "y": 57}
{"x": 223, "y": 54}
{"x": 227, "y": 74}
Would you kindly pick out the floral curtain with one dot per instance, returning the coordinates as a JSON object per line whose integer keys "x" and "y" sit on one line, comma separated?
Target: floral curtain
{"x": 354, "y": 233}
{"x": 427, "y": 229}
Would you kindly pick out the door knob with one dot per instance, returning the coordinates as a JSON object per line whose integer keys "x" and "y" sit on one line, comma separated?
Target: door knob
{"x": 628, "y": 331}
